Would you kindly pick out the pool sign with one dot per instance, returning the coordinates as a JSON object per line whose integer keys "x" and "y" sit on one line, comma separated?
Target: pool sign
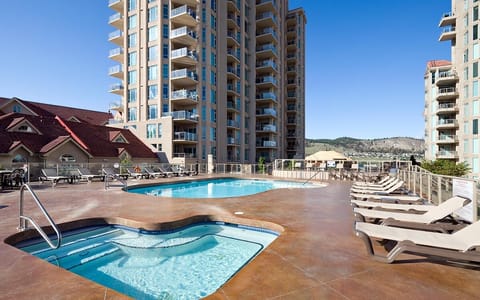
{"x": 464, "y": 188}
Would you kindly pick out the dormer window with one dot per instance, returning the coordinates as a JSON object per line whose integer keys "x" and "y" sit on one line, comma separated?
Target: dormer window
{"x": 120, "y": 139}
{"x": 67, "y": 158}
{"x": 17, "y": 108}
{"x": 25, "y": 128}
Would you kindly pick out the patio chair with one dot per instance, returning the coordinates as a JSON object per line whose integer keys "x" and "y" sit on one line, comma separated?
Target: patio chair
{"x": 388, "y": 198}
{"x": 50, "y": 174}
{"x": 149, "y": 173}
{"x": 391, "y": 206}
{"x": 135, "y": 173}
{"x": 397, "y": 187}
{"x": 459, "y": 245}
{"x": 167, "y": 173}
{"x": 371, "y": 189}
{"x": 380, "y": 185}
{"x": 432, "y": 215}
{"x": 111, "y": 173}
{"x": 88, "y": 175}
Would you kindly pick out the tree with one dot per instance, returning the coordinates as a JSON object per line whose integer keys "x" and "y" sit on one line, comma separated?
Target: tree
{"x": 446, "y": 167}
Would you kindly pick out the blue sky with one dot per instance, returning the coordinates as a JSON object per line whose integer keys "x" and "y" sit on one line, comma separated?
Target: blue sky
{"x": 365, "y": 60}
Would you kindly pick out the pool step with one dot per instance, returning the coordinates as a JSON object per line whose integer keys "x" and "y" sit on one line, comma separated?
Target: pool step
{"x": 83, "y": 256}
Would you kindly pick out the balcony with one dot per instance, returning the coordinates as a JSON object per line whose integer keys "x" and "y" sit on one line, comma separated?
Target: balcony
{"x": 116, "y": 37}
{"x": 266, "y": 144}
{"x": 183, "y": 15}
{"x": 266, "y": 112}
{"x": 233, "y": 123}
{"x": 448, "y": 33}
{"x": 116, "y": 20}
{"x": 116, "y": 107}
{"x": 266, "y": 80}
{"x": 291, "y": 31}
{"x": 233, "y": 55}
{"x": 291, "y": 56}
{"x": 291, "y": 107}
{"x": 231, "y": 106}
{"x": 291, "y": 69}
{"x": 291, "y": 121}
{"x": 116, "y": 5}
{"x": 233, "y": 21}
{"x": 266, "y": 128}
{"x": 184, "y": 56}
{"x": 184, "y": 77}
{"x": 266, "y": 51}
{"x": 266, "y": 35}
{"x": 233, "y": 71}
{"x": 116, "y": 71}
{"x": 447, "y": 139}
{"x": 182, "y": 116}
{"x": 184, "y": 97}
{"x": 447, "y": 78}
{"x": 191, "y": 3}
{"x": 267, "y": 65}
{"x": 447, "y": 93}
{"x": 266, "y": 19}
{"x": 233, "y": 5}
{"x": 447, "y": 108}
{"x": 183, "y": 136}
{"x": 447, "y": 123}
{"x": 265, "y": 5}
{"x": 116, "y": 88}
{"x": 448, "y": 19}
{"x": 233, "y": 88}
{"x": 116, "y": 54}
{"x": 266, "y": 96}
{"x": 233, "y": 38}
{"x": 446, "y": 154}
{"x": 184, "y": 36}
{"x": 291, "y": 95}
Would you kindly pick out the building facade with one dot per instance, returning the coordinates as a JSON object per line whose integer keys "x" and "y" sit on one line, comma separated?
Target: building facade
{"x": 452, "y": 90}
{"x": 220, "y": 78}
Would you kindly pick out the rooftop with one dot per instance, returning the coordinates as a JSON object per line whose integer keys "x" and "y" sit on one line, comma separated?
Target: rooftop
{"x": 317, "y": 256}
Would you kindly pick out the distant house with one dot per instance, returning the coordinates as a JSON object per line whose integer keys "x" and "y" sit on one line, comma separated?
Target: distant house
{"x": 50, "y": 134}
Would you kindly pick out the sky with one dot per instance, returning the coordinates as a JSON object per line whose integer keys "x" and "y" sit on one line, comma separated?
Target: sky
{"x": 365, "y": 60}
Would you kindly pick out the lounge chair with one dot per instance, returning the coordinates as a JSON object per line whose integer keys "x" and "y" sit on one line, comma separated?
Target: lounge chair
{"x": 167, "y": 173}
{"x": 371, "y": 189}
{"x": 382, "y": 183}
{"x": 149, "y": 173}
{"x": 391, "y": 206}
{"x": 459, "y": 245}
{"x": 434, "y": 214}
{"x": 86, "y": 174}
{"x": 391, "y": 189}
{"x": 111, "y": 173}
{"x": 388, "y": 198}
{"x": 135, "y": 173}
{"x": 50, "y": 174}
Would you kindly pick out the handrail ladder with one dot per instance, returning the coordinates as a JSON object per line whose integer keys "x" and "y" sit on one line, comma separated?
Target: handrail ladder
{"x": 315, "y": 174}
{"x": 23, "y": 219}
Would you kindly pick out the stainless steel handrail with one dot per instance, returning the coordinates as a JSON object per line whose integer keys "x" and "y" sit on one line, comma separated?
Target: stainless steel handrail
{"x": 23, "y": 219}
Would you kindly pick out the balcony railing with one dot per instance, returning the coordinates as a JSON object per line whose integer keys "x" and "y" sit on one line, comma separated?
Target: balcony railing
{"x": 114, "y": 35}
{"x": 182, "y": 31}
{"x": 114, "y": 17}
{"x": 447, "y": 122}
{"x": 267, "y": 144}
{"x": 185, "y": 136}
{"x": 267, "y": 47}
{"x": 267, "y": 127}
{"x": 184, "y": 73}
{"x": 233, "y": 123}
{"x": 266, "y": 95}
{"x": 185, "y": 94}
{"x": 234, "y": 52}
{"x": 115, "y": 69}
{"x": 267, "y": 111}
{"x": 182, "y": 10}
{"x": 267, "y": 63}
{"x": 114, "y": 52}
{"x": 266, "y": 79}
{"x": 449, "y": 90}
{"x": 184, "y": 52}
{"x": 267, "y": 15}
{"x": 182, "y": 115}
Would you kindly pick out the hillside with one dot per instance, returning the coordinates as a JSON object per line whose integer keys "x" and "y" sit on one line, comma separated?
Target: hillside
{"x": 395, "y": 147}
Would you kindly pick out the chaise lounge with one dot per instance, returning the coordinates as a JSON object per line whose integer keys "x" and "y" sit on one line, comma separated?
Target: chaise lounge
{"x": 50, "y": 174}
{"x": 459, "y": 245}
{"x": 88, "y": 175}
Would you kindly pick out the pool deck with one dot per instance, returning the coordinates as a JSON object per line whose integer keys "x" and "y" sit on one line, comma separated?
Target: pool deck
{"x": 317, "y": 256}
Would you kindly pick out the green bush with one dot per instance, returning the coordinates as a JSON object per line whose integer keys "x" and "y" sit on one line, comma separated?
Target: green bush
{"x": 446, "y": 167}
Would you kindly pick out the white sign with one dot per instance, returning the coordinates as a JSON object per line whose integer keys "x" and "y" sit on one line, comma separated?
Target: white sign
{"x": 331, "y": 164}
{"x": 464, "y": 188}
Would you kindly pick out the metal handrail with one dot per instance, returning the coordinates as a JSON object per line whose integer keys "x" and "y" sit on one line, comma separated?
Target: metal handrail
{"x": 23, "y": 219}
{"x": 311, "y": 177}
{"x": 118, "y": 178}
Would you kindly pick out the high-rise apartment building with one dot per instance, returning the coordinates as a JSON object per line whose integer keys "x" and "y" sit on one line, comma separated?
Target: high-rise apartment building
{"x": 225, "y": 78}
{"x": 452, "y": 94}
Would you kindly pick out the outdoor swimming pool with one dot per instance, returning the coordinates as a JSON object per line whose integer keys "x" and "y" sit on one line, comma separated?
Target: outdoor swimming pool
{"x": 217, "y": 188}
{"x": 190, "y": 263}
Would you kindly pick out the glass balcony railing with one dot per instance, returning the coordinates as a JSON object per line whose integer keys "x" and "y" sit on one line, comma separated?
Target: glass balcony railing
{"x": 182, "y": 115}
{"x": 184, "y": 52}
{"x": 182, "y": 31}
{"x": 267, "y": 47}
{"x": 114, "y": 17}
{"x": 115, "y": 69}
{"x": 182, "y": 73}
{"x": 185, "y": 94}
{"x": 266, "y": 63}
{"x": 185, "y": 136}
{"x": 182, "y": 10}
{"x": 114, "y": 35}
{"x": 233, "y": 123}
{"x": 266, "y": 95}
{"x": 114, "y": 52}
{"x": 266, "y": 79}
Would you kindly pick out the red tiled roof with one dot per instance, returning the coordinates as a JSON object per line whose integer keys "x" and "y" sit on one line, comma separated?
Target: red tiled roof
{"x": 54, "y": 143}
{"x": 438, "y": 63}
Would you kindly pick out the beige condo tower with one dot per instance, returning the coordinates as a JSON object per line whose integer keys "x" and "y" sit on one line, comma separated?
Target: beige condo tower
{"x": 222, "y": 78}
{"x": 456, "y": 102}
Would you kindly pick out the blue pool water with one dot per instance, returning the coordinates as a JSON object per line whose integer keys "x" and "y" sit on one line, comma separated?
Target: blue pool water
{"x": 217, "y": 188}
{"x": 185, "y": 264}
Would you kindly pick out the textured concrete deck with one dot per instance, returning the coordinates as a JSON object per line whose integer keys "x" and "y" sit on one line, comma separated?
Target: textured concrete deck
{"x": 317, "y": 256}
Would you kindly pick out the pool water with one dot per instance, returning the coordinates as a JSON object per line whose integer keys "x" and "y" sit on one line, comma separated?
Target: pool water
{"x": 185, "y": 264}
{"x": 217, "y": 188}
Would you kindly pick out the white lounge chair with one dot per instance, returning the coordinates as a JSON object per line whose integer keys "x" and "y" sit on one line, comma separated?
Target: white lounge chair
{"x": 50, "y": 174}
{"x": 87, "y": 174}
{"x": 434, "y": 214}
{"x": 385, "y": 191}
{"x": 459, "y": 245}
{"x": 391, "y": 206}
{"x": 381, "y": 184}
{"x": 391, "y": 198}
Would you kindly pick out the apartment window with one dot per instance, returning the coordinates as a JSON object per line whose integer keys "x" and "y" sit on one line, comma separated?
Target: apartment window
{"x": 476, "y": 52}
{"x": 132, "y": 59}
{"x": 213, "y": 78}
{"x": 213, "y": 96}
{"x": 465, "y": 91}
{"x": 152, "y": 53}
{"x": 132, "y": 77}
{"x": 132, "y": 40}
{"x": 213, "y": 5}
{"x": 165, "y": 108}
{"x": 465, "y": 54}
{"x": 465, "y": 109}
{"x": 204, "y": 132}
{"x": 165, "y": 91}
{"x": 475, "y": 69}
{"x": 132, "y": 21}
{"x": 213, "y": 22}
{"x": 152, "y": 111}
{"x": 475, "y": 32}
{"x": 204, "y": 93}
{"x": 204, "y": 113}
{"x": 17, "y": 108}
{"x": 475, "y": 111}
{"x": 151, "y": 131}
{"x": 132, "y": 5}
{"x": 213, "y": 60}
{"x": 152, "y": 72}
{"x": 213, "y": 40}
{"x": 465, "y": 73}
{"x": 165, "y": 71}
{"x": 475, "y": 165}
{"x": 475, "y": 126}
{"x": 204, "y": 55}
{"x": 213, "y": 115}
{"x": 204, "y": 15}
{"x": 466, "y": 127}
{"x": 152, "y": 91}
{"x": 475, "y": 13}
{"x": 165, "y": 11}
{"x": 160, "y": 133}
{"x": 475, "y": 146}
{"x": 465, "y": 146}
{"x": 475, "y": 89}
{"x": 165, "y": 31}
{"x": 213, "y": 134}
{"x": 132, "y": 95}
{"x": 132, "y": 114}
{"x": 153, "y": 14}
{"x": 204, "y": 34}
{"x": 165, "y": 51}
{"x": 152, "y": 33}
